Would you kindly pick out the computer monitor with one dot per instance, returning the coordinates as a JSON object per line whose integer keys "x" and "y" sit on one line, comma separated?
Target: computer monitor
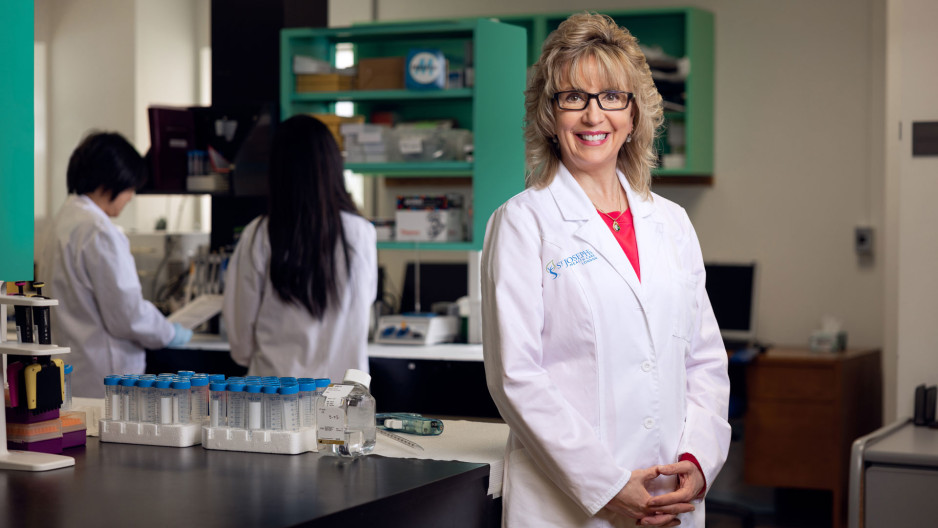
{"x": 731, "y": 288}
{"x": 439, "y": 282}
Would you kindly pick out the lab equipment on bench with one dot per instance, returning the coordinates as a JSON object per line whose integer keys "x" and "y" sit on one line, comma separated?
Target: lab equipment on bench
{"x": 409, "y": 423}
{"x": 47, "y": 387}
{"x": 263, "y": 416}
{"x": 417, "y": 329}
{"x": 152, "y": 412}
{"x": 345, "y": 417}
{"x": 398, "y": 438}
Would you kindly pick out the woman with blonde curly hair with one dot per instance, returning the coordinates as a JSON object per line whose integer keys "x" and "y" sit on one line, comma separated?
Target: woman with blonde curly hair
{"x": 601, "y": 348}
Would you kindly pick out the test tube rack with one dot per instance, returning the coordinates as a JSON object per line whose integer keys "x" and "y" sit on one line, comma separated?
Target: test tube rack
{"x": 168, "y": 435}
{"x": 260, "y": 440}
{"x": 14, "y": 459}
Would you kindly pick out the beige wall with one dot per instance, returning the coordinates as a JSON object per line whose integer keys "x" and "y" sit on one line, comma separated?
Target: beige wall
{"x": 798, "y": 149}
{"x": 911, "y": 191}
{"x": 106, "y": 61}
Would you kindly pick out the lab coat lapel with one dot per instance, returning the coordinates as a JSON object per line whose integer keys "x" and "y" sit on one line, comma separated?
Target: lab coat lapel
{"x": 575, "y": 206}
{"x": 649, "y": 232}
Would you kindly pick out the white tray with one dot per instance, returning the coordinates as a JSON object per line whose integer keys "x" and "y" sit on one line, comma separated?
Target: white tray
{"x": 260, "y": 441}
{"x": 149, "y": 434}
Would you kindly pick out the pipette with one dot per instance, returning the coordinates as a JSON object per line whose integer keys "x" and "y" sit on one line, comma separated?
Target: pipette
{"x": 409, "y": 443}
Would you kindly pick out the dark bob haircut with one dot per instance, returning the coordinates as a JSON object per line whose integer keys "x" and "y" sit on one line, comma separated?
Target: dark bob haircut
{"x": 105, "y": 160}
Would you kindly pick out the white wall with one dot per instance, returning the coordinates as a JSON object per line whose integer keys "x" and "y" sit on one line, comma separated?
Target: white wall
{"x": 798, "y": 149}
{"x": 106, "y": 61}
{"x": 911, "y": 191}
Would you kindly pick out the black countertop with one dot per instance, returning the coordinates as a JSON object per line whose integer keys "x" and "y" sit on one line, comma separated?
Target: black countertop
{"x": 115, "y": 484}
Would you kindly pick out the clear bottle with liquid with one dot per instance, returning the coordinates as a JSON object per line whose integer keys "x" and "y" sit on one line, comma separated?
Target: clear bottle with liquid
{"x": 345, "y": 416}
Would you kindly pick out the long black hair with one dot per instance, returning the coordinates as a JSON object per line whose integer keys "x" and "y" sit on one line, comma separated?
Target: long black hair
{"x": 307, "y": 197}
{"x": 105, "y": 160}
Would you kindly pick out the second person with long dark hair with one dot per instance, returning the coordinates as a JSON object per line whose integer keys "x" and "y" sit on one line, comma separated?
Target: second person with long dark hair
{"x": 303, "y": 277}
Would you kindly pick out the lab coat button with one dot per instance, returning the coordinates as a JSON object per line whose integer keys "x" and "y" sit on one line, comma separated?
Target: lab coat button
{"x": 647, "y": 366}
{"x": 649, "y": 423}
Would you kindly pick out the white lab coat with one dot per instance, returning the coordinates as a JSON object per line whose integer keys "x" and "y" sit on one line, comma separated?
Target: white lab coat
{"x": 274, "y": 338}
{"x": 595, "y": 372}
{"x": 102, "y": 316}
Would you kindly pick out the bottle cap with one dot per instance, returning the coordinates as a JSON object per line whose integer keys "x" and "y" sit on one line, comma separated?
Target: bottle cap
{"x": 235, "y": 386}
{"x": 69, "y": 369}
{"x": 322, "y": 382}
{"x": 253, "y": 388}
{"x": 198, "y": 381}
{"x": 218, "y": 386}
{"x": 289, "y": 389}
{"x": 186, "y": 373}
{"x": 181, "y": 384}
{"x": 270, "y": 389}
{"x": 216, "y": 377}
{"x": 162, "y": 383}
{"x": 307, "y": 386}
{"x": 287, "y": 380}
{"x": 357, "y": 376}
{"x": 145, "y": 382}
{"x": 113, "y": 379}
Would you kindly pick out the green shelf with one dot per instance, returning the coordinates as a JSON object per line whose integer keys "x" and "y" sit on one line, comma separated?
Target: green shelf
{"x": 431, "y": 169}
{"x": 382, "y": 95}
{"x": 492, "y": 108}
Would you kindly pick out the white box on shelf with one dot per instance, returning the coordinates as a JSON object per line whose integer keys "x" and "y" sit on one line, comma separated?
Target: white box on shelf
{"x": 434, "y": 225}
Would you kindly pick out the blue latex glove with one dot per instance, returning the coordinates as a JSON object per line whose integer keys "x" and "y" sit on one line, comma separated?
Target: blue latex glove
{"x": 181, "y": 337}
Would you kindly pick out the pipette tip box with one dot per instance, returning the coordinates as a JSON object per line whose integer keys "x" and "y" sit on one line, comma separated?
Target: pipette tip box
{"x": 259, "y": 441}
{"x": 170, "y": 435}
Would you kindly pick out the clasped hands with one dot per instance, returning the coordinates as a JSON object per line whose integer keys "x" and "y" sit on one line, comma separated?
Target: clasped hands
{"x": 634, "y": 501}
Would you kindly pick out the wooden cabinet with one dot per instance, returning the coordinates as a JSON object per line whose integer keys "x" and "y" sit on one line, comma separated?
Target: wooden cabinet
{"x": 492, "y": 108}
{"x": 804, "y": 411}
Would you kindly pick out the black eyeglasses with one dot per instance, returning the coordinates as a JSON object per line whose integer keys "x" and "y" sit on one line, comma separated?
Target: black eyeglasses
{"x": 608, "y": 100}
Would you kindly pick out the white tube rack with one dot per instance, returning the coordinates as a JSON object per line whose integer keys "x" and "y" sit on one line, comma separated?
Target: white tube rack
{"x": 260, "y": 440}
{"x": 169, "y": 435}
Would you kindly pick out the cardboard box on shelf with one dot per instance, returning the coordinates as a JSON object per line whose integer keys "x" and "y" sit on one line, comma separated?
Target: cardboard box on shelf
{"x": 335, "y": 122}
{"x": 381, "y": 73}
{"x": 324, "y": 82}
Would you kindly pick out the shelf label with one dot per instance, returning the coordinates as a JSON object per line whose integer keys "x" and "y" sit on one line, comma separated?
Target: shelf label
{"x": 411, "y": 145}
{"x": 330, "y": 418}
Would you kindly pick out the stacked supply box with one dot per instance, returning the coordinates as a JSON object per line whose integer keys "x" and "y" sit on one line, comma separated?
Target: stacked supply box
{"x": 365, "y": 142}
{"x": 335, "y": 123}
{"x": 381, "y": 73}
{"x": 429, "y": 219}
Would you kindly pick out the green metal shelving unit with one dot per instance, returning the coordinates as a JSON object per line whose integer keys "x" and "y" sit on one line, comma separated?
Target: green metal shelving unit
{"x": 16, "y": 141}
{"x": 680, "y": 32}
{"x": 493, "y": 108}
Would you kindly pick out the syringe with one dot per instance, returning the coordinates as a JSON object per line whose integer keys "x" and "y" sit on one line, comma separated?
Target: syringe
{"x": 409, "y": 443}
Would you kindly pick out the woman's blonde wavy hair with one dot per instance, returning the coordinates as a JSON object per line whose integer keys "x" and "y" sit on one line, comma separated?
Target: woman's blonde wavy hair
{"x": 616, "y": 53}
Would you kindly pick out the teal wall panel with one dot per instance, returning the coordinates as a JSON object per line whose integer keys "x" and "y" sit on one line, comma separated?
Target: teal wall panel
{"x": 16, "y": 140}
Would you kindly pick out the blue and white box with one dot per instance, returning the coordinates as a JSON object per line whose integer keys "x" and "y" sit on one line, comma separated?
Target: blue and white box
{"x": 426, "y": 70}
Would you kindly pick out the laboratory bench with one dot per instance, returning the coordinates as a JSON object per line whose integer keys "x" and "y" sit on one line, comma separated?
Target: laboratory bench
{"x": 150, "y": 486}
{"x": 445, "y": 379}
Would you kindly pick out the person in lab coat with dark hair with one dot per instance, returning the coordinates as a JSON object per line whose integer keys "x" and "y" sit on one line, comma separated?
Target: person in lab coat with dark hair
{"x": 303, "y": 277}
{"x": 601, "y": 349}
{"x": 87, "y": 265}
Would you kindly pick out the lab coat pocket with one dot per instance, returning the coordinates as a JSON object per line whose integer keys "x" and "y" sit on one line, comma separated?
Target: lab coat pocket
{"x": 684, "y": 307}
{"x": 532, "y": 499}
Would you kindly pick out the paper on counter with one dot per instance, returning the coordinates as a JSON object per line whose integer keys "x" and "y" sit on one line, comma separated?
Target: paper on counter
{"x": 462, "y": 440}
{"x": 201, "y": 309}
